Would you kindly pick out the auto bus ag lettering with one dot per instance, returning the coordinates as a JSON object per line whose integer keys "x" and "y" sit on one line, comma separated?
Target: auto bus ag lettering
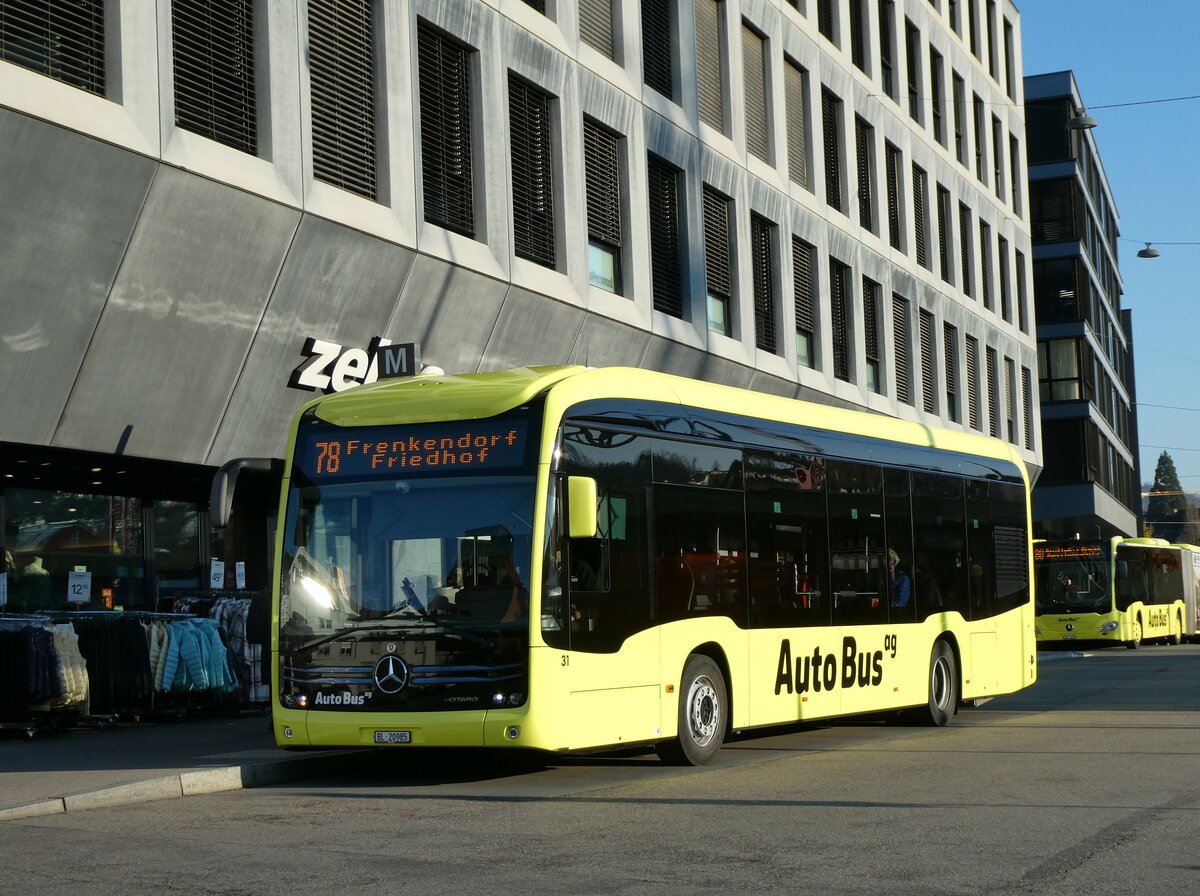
{"x": 820, "y": 671}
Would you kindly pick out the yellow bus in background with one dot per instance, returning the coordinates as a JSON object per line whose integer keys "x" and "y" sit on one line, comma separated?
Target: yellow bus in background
{"x": 571, "y": 559}
{"x": 1119, "y": 591}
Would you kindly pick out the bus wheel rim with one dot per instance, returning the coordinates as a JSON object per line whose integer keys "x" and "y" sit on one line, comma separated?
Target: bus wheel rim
{"x": 939, "y": 684}
{"x": 704, "y": 711}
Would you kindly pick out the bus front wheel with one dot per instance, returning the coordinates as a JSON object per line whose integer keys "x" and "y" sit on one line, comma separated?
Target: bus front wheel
{"x": 1176, "y": 633}
{"x": 943, "y": 688}
{"x": 703, "y": 712}
{"x": 1136, "y": 641}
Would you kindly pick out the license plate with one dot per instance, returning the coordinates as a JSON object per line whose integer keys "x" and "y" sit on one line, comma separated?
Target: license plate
{"x": 393, "y": 737}
{"x": 1068, "y": 637}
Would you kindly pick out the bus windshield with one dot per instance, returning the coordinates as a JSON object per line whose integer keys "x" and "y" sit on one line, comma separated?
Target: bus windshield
{"x": 1072, "y": 579}
{"x": 404, "y": 577}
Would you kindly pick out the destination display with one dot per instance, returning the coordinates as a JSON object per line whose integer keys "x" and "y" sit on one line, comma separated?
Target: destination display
{"x": 1074, "y": 551}
{"x": 460, "y": 447}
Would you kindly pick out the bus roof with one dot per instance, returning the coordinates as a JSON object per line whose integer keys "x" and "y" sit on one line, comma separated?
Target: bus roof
{"x": 480, "y": 395}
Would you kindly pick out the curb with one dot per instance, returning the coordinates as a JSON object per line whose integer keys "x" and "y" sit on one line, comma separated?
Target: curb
{"x": 189, "y": 783}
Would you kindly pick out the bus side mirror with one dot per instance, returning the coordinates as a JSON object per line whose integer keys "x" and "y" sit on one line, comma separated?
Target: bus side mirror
{"x": 581, "y": 498}
{"x": 220, "y": 501}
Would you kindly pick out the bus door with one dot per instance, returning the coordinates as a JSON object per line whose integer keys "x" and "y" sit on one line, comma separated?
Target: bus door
{"x": 597, "y": 605}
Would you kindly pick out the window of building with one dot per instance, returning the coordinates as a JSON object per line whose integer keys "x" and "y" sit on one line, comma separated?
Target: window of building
{"x": 212, "y": 48}
{"x": 1060, "y": 373}
{"x": 985, "y": 263}
{"x": 993, "y": 57}
{"x": 1010, "y": 400}
{"x": 928, "y": 399}
{"x": 596, "y": 25}
{"x": 839, "y": 286}
{"x": 972, "y": 374}
{"x": 831, "y": 118}
{"x": 804, "y": 291}
{"x": 1052, "y": 206}
{"x": 1014, "y": 171}
{"x": 980, "y": 144}
{"x": 950, "y": 353}
{"x": 602, "y": 182}
{"x": 666, "y": 249}
{"x": 960, "y": 114}
{"x": 964, "y": 248}
{"x": 887, "y": 43}
{"x": 973, "y": 26}
{"x": 993, "y": 387}
{"x": 762, "y": 253}
{"x": 65, "y": 41}
{"x": 1022, "y": 309}
{"x": 825, "y": 20}
{"x": 341, "y": 65}
{"x": 446, "y": 160}
{"x": 998, "y": 158}
{"x": 943, "y": 215}
{"x": 657, "y": 45}
{"x": 532, "y": 171}
{"x": 755, "y": 92}
{"x": 858, "y": 37}
{"x": 1027, "y": 407}
{"x": 920, "y": 216}
{"x": 912, "y": 47}
{"x": 955, "y": 22}
{"x": 539, "y": 5}
{"x": 864, "y": 140}
{"x": 902, "y": 349}
{"x": 892, "y": 163}
{"x": 718, "y": 259}
{"x": 795, "y": 86}
{"x": 1010, "y": 79}
{"x": 936, "y": 74}
{"x": 871, "y": 333}
{"x": 1005, "y": 295}
{"x": 710, "y": 65}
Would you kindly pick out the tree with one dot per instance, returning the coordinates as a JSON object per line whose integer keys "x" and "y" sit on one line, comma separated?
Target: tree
{"x": 1167, "y": 510}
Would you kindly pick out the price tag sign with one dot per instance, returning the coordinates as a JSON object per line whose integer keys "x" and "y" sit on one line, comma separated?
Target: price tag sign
{"x": 3, "y": 589}
{"x": 79, "y": 587}
{"x": 216, "y": 578}
{"x": 239, "y": 573}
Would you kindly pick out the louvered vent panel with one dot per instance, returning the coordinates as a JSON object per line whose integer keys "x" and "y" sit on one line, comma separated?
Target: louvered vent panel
{"x": 973, "y": 383}
{"x": 804, "y": 258}
{"x": 656, "y": 45}
{"x": 665, "y": 264}
{"x": 532, "y": 172}
{"x": 596, "y": 25}
{"x": 927, "y": 389}
{"x": 716, "y": 243}
{"x": 797, "y": 135}
{"x": 755, "y": 93}
{"x": 761, "y": 231}
{"x": 601, "y": 164}
{"x": 342, "y": 78}
{"x": 63, "y": 41}
{"x": 213, "y": 53}
{"x": 838, "y": 274}
{"x": 446, "y": 163}
{"x": 708, "y": 64}
{"x": 903, "y": 350}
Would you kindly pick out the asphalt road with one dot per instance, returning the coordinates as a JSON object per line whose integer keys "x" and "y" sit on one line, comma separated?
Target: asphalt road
{"x": 1087, "y": 783}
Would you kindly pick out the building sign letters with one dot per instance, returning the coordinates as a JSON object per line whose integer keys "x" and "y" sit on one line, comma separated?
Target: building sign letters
{"x": 334, "y": 368}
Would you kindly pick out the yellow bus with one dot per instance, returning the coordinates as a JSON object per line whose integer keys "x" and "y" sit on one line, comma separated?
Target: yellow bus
{"x": 1119, "y": 591}
{"x": 571, "y": 559}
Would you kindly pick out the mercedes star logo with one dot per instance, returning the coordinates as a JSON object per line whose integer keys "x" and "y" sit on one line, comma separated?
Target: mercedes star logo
{"x": 391, "y": 675}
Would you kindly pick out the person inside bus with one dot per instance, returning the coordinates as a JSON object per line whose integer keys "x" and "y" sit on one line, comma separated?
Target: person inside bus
{"x": 899, "y": 581}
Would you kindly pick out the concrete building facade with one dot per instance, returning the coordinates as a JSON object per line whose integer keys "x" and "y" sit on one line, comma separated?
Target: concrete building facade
{"x": 206, "y": 204}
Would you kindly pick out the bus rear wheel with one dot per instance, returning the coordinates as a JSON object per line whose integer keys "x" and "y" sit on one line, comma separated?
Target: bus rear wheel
{"x": 703, "y": 714}
{"x": 943, "y": 688}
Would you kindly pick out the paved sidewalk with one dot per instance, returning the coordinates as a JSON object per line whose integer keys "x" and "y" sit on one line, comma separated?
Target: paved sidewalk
{"x": 70, "y": 770}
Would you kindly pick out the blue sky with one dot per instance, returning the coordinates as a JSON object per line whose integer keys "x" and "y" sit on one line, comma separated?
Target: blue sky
{"x": 1130, "y": 53}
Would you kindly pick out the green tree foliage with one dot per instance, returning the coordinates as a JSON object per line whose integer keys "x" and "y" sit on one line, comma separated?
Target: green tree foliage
{"x": 1167, "y": 510}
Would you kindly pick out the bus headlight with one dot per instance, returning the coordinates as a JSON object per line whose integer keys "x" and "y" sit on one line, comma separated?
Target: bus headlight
{"x": 1108, "y": 627}
{"x": 498, "y": 699}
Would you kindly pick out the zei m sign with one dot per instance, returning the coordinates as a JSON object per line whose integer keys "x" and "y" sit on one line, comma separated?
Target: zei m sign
{"x": 334, "y": 368}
